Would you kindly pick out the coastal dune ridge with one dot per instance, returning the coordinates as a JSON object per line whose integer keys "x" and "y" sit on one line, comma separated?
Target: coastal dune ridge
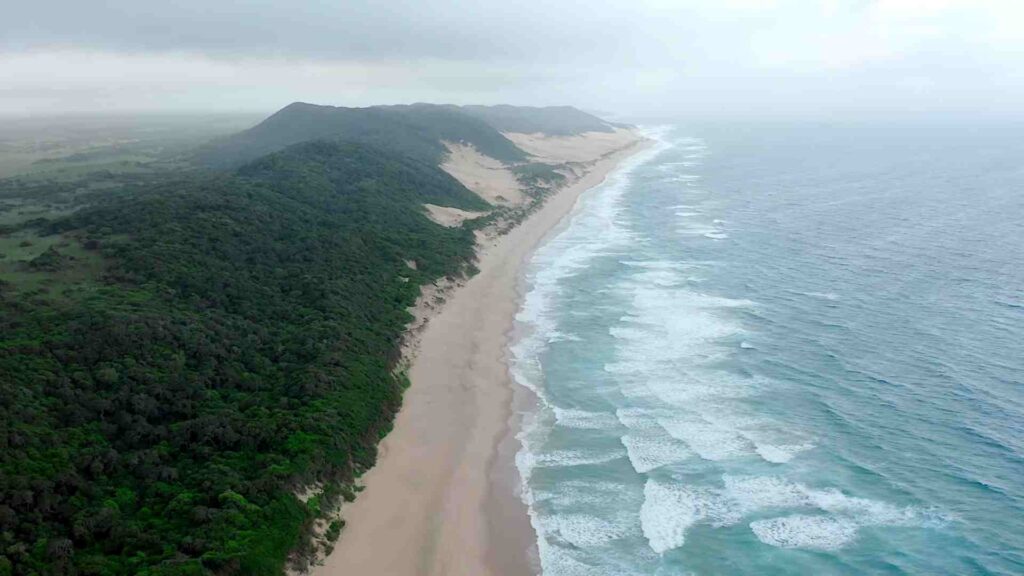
{"x": 443, "y": 497}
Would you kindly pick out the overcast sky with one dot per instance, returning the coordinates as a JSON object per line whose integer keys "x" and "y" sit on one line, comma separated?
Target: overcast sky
{"x": 728, "y": 57}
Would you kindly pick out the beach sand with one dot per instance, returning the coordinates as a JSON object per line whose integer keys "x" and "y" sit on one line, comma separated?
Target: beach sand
{"x": 441, "y": 499}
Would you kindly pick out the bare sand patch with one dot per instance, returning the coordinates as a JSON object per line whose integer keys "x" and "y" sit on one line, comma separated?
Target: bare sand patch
{"x": 584, "y": 147}
{"x": 450, "y": 217}
{"x": 487, "y": 177}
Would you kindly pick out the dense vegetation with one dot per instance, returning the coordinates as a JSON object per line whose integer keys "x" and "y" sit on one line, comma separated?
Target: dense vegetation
{"x": 182, "y": 356}
{"x": 551, "y": 120}
{"x": 416, "y": 131}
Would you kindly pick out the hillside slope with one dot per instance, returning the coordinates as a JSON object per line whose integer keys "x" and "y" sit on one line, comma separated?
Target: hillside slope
{"x": 417, "y": 131}
{"x": 549, "y": 120}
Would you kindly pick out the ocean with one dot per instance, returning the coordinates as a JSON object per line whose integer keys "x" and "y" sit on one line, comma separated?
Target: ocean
{"x": 783, "y": 349}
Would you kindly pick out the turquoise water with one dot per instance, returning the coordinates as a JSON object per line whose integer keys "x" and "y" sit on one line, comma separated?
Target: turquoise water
{"x": 783, "y": 350}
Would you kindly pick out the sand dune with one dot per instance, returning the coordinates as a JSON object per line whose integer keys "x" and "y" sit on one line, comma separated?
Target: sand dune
{"x": 489, "y": 178}
{"x": 580, "y": 148}
{"x": 448, "y": 216}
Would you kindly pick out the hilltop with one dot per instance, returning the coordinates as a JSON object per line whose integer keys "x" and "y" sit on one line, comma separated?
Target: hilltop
{"x": 550, "y": 120}
{"x": 416, "y": 130}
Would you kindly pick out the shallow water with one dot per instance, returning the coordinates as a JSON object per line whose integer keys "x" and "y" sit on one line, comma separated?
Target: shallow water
{"x": 783, "y": 350}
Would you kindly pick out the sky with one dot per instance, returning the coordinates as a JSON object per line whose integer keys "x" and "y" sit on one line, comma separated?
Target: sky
{"x": 816, "y": 58}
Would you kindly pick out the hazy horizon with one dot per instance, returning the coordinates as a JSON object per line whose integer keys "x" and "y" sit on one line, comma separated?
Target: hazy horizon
{"x": 737, "y": 58}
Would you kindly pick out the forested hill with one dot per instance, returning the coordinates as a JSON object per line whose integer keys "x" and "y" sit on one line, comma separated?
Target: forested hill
{"x": 185, "y": 355}
{"x": 550, "y": 120}
{"x": 415, "y": 130}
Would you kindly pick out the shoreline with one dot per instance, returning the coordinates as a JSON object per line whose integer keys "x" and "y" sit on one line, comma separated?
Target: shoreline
{"x": 443, "y": 497}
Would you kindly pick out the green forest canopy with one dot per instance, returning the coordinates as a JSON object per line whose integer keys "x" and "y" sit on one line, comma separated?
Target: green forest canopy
{"x": 236, "y": 342}
{"x": 415, "y": 130}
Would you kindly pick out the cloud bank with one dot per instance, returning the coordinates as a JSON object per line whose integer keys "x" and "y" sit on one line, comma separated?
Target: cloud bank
{"x": 725, "y": 57}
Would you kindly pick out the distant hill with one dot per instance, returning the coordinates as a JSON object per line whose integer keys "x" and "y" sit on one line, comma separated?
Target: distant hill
{"x": 551, "y": 120}
{"x": 415, "y": 131}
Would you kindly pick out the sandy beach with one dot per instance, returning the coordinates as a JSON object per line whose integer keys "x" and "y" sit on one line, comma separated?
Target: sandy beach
{"x": 441, "y": 500}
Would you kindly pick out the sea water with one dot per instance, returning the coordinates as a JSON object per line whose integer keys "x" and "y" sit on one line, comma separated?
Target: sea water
{"x": 782, "y": 349}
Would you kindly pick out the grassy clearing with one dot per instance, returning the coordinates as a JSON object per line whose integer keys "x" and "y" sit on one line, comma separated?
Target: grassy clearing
{"x": 16, "y": 211}
{"x": 55, "y": 267}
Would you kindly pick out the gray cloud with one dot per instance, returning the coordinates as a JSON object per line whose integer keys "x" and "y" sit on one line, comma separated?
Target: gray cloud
{"x": 659, "y": 56}
{"x": 364, "y": 30}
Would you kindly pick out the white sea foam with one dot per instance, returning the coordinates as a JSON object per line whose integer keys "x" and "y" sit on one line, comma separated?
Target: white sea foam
{"x": 581, "y": 493}
{"x": 699, "y": 229}
{"x": 671, "y": 509}
{"x": 865, "y": 511}
{"x": 551, "y": 458}
{"x": 664, "y": 278}
{"x": 570, "y": 418}
{"x": 665, "y": 340}
{"x": 593, "y": 232}
{"x": 781, "y": 453}
{"x": 673, "y": 311}
{"x": 754, "y": 493}
{"x": 667, "y": 513}
{"x": 709, "y": 441}
{"x": 562, "y": 258}
{"x": 658, "y": 264}
{"x": 648, "y": 451}
{"x": 822, "y": 295}
{"x": 559, "y": 561}
{"x": 628, "y": 333}
{"x": 683, "y": 178}
{"x": 587, "y": 530}
{"x": 556, "y": 336}
{"x": 563, "y": 561}
{"x": 644, "y": 419}
{"x": 802, "y": 531}
{"x": 845, "y": 513}
{"x": 684, "y": 388}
